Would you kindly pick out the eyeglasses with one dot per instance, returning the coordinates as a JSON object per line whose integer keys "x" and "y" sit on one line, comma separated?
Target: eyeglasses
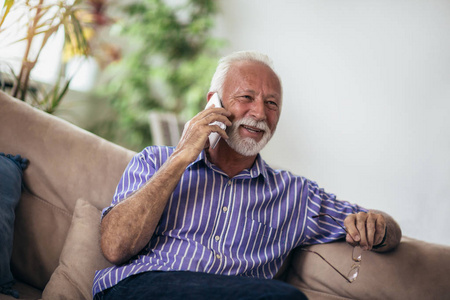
{"x": 356, "y": 255}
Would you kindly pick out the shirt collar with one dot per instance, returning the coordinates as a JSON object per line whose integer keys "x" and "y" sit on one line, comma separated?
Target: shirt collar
{"x": 258, "y": 168}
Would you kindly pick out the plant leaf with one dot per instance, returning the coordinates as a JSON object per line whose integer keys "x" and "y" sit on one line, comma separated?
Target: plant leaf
{"x": 5, "y": 10}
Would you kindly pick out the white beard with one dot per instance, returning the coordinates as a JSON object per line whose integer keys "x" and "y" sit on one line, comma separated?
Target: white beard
{"x": 247, "y": 146}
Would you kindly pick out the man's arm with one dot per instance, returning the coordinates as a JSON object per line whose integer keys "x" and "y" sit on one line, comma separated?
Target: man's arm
{"x": 375, "y": 230}
{"x": 129, "y": 226}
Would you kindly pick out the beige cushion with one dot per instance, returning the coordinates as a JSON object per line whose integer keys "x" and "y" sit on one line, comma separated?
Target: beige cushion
{"x": 416, "y": 270}
{"x": 80, "y": 258}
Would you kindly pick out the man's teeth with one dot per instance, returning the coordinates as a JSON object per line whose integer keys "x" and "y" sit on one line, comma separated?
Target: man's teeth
{"x": 252, "y": 129}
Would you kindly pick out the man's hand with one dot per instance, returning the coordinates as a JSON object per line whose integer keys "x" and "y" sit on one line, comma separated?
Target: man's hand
{"x": 371, "y": 229}
{"x": 195, "y": 134}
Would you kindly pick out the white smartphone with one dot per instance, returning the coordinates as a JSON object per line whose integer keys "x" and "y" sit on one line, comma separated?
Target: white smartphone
{"x": 214, "y": 137}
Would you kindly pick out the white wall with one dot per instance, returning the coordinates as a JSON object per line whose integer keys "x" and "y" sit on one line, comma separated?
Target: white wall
{"x": 366, "y": 99}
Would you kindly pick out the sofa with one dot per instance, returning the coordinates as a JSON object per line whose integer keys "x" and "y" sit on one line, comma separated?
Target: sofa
{"x": 71, "y": 177}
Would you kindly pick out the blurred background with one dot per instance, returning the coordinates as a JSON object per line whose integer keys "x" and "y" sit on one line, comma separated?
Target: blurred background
{"x": 366, "y": 87}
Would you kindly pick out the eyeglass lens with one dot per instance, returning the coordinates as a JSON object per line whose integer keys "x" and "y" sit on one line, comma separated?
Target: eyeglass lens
{"x": 354, "y": 271}
{"x": 356, "y": 254}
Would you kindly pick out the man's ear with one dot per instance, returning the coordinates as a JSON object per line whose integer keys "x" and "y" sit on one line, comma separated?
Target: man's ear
{"x": 209, "y": 95}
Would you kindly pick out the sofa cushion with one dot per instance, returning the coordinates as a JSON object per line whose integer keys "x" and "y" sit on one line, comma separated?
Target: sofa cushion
{"x": 80, "y": 258}
{"x": 39, "y": 234}
{"x": 11, "y": 170}
{"x": 415, "y": 270}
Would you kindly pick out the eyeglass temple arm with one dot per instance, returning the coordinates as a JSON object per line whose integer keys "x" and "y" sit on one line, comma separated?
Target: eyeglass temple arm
{"x": 307, "y": 250}
{"x": 336, "y": 221}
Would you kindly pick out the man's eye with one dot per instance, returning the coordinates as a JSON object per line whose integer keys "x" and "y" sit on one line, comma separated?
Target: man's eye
{"x": 272, "y": 104}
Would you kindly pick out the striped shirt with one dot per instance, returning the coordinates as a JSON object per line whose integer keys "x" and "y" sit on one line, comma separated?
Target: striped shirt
{"x": 245, "y": 225}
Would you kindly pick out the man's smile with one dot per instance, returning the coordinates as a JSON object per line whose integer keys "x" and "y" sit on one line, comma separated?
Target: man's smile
{"x": 252, "y": 129}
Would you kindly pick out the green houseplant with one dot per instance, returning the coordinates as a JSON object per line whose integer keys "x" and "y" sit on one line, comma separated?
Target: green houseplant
{"x": 166, "y": 66}
{"x": 40, "y": 20}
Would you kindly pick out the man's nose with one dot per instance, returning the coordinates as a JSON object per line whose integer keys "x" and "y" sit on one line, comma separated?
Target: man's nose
{"x": 257, "y": 110}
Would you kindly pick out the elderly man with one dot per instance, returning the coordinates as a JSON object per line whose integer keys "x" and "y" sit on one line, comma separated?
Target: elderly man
{"x": 200, "y": 222}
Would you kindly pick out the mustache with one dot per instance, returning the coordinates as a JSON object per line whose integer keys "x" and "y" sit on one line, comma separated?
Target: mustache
{"x": 248, "y": 121}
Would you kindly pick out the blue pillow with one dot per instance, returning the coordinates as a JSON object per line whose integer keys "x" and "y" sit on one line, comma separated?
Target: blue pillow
{"x": 11, "y": 170}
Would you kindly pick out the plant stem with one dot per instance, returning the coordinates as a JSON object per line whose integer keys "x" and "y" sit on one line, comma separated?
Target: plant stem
{"x": 27, "y": 65}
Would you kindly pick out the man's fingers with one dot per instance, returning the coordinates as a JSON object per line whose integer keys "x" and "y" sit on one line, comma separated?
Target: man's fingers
{"x": 349, "y": 239}
{"x": 353, "y": 236}
{"x": 197, "y": 130}
{"x": 370, "y": 229}
{"x": 365, "y": 229}
{"x": 219, "y": 116}
{"x": 380, "y": 230}
{"x": 216, "y": 128}
{"x": 361, "y": 219}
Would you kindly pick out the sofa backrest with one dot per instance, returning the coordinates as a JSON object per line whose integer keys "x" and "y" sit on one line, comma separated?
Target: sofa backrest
{"x": 66, "y": 163}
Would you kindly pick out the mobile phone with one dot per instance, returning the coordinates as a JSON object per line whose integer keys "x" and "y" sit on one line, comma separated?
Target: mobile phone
{"x": 214, "y": 137}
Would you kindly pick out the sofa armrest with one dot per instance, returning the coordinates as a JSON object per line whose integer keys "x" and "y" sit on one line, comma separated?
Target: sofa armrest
{"x": 415, "y": 270}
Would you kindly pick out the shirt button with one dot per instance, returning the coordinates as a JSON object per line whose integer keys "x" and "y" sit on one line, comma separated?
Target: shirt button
{"x": 218, "y": 256}
{"x": 217, "y": 238}
{"x": 229, "y": 182}
{"x": 225, "y": 209}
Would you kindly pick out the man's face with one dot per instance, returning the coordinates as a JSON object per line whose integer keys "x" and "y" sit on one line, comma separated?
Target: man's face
{"x": 252, "y": 93}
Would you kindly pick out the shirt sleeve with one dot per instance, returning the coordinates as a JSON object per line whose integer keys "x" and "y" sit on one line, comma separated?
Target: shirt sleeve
{"x": 139, "y": 170}
{"x": 324, "y": 229}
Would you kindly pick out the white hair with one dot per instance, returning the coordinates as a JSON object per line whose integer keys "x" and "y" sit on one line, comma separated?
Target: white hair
{"x": 222, "y": 69}
{"x": 248, "y": 146}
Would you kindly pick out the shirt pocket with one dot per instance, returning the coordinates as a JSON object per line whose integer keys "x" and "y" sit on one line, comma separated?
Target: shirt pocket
{"x": 256, "y": 229}
{"x": 262, "y": 236}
